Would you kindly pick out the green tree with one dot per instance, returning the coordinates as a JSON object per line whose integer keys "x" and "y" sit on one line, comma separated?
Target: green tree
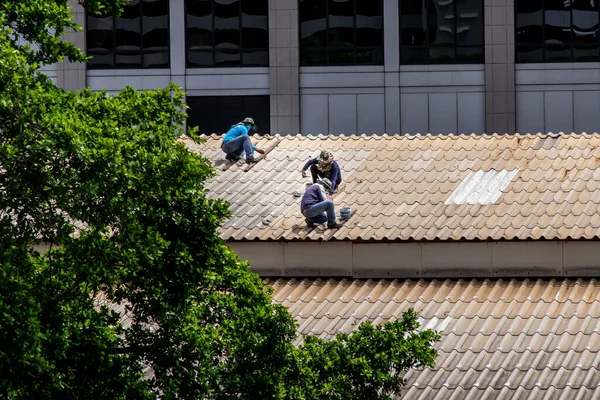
{"x": 136, "y": 296}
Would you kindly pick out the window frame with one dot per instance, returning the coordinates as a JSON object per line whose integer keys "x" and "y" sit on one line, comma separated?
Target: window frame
{"x": 141, "y": 52}
{"x": 455, "y": 45}
{"x": 544, "y": 46}
{"x": 355, "y": 49}
{"x": 214, "y": 50}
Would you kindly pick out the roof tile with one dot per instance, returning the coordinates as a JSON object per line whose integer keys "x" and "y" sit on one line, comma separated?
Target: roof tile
{"x": 510, "y": 339}
{"x": 398, "y": 185}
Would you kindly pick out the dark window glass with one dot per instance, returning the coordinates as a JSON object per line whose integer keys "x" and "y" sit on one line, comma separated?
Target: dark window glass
{"x": 313, "y": 24}
{"x": 529, "y": 22}
{"x": 341, "y": 32}
{"x": 469, "y": 24}
{"x": 216, "y": 114}
{"x": 226, "y": 33}
{"x": 100, "y": 41}
{"x": 341, "y": 23}
{"x": 585, "y": 22}
{"x": 411, "y": 23}
{"x": 138, "y": 38}
{"x": 369, "y": 23}
{"x": 557, "y": 30}
{"x": 155, "y": 30}
{"x": 558, "y": 20}
{"x": 441, "y": 31}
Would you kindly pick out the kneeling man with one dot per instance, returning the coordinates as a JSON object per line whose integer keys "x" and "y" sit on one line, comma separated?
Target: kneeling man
{"x": 317, "y": 205}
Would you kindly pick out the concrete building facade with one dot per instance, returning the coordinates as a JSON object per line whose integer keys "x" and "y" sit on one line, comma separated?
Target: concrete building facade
{"x": 464, "y": 66}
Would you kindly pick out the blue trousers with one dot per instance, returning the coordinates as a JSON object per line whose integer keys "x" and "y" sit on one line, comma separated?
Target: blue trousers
{"x": 238, "y": 145}
{"x": 316, "y": 213}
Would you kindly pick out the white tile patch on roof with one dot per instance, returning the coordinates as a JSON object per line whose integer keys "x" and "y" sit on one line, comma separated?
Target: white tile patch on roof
{"x": 435, "y": 323}
{"x": 482, "y": 187}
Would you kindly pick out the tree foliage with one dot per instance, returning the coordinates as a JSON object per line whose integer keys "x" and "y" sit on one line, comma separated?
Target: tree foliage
{"x": 136, "y": 296}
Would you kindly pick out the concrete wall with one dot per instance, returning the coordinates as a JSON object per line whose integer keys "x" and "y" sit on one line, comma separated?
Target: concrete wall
{"x": 415, "y": 260}
{"x": 51, "y": 71}
{"x": 195, "y": 81}
{"x": 71, "y": 76}
{"x": 68, "y": 75}
{"x": 499, "y": 38}
{"x": 561, "y": 97}
{"x": 435, "y": 99}
{"x": 342, "y": 100}
{"x": 442, "y": 99}
{"x": 217, "y": 81}
{"x": 313, "y": 100}
{"x": 283, "y": 66}
{"x": 392, "y": 98}
{"x": 498, "y": 96}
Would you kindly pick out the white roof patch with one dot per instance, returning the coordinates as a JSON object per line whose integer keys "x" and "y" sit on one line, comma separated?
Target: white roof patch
{"x": 482, "y": 187}
{"x": 435, "y": 323}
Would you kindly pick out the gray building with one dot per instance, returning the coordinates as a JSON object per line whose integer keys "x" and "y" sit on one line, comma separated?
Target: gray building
{"x": 356, "y": 66}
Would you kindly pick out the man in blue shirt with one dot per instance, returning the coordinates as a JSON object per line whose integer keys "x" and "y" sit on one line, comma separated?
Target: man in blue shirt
{"x": 237, "y": 141}
{"x": 317, "y": 206}
{"x": 324, "y": 166}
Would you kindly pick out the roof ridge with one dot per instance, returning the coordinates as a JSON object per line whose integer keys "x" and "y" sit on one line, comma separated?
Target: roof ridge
{"x": 410, "y": 136}
{"x": 432, "y": 300}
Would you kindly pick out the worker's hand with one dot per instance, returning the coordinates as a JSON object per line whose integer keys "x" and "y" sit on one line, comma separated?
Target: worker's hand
{"x": 261, "y": 151}
{"x": 304, "y": 174}
{"x": 330, "y": 197}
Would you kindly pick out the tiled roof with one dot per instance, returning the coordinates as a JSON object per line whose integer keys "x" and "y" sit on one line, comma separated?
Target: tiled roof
{"x": 502, "y": 339}
{"x": 447, "y": 187}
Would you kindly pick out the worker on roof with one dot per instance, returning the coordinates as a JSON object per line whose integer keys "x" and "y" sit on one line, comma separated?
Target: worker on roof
{"x": 324, "y": 166}
{"x": 317, "y": 204}
{"x": 237, "y": 141}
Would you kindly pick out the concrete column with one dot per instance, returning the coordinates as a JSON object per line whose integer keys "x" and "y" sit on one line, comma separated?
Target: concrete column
{"x": 391, "y": 43}
{"x": 500, "y": 110}
{"x": 177, "y": 41}
{"x": 72, "y": 76}
{"x": 284, "y": 76}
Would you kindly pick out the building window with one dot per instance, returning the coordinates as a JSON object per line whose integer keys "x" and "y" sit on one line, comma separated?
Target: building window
{"x": 216, "y": 114}
{"x": 227, "y": 33}
{"x": 138, "y": 38}
{"x": 341, "y": 32}
{"x": 557, "y": 31}
{"x": 441, "y": 31}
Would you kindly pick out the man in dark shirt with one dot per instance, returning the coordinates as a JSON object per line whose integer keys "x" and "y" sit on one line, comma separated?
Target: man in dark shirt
{"x": 317, "y": 206}
{"x": 324, "y": 166}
